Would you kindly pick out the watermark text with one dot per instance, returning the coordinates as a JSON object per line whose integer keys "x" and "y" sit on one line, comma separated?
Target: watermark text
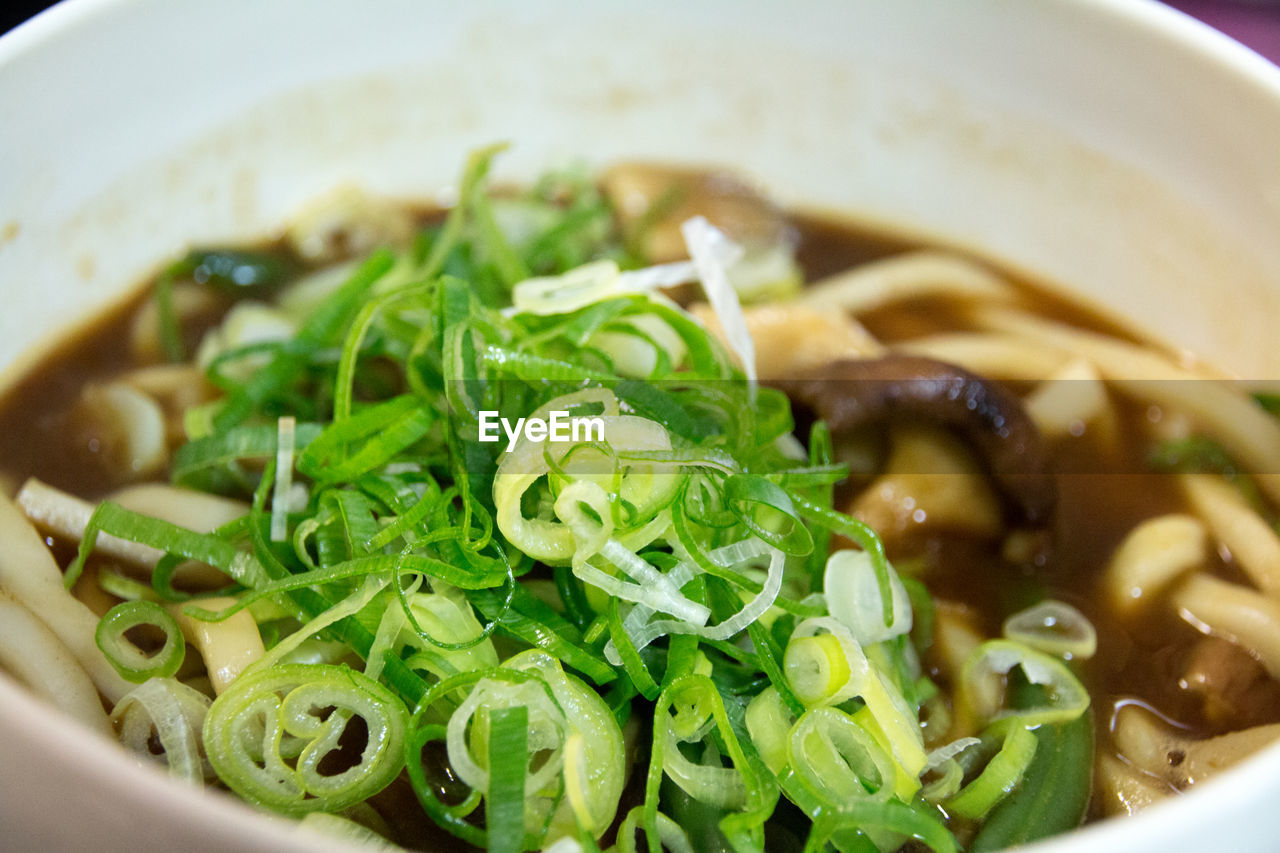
{"x": 560, "y": 426}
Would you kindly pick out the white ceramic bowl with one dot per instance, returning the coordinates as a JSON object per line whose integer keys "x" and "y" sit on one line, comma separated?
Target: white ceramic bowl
{"x": 1115, "y": 147}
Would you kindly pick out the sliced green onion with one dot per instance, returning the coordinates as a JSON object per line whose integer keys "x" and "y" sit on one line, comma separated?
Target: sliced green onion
{"x": 671, "y": 836}
{"x": 838, "y": 759}
{"x": 269, "y": 732}
{"x": 285, "y": 442}
{"x": 1001, "y": 775}
{"x": 123, "y": 586}
{"x": 860, "y": 533}
{"x": 899, "y": 819}
{"x": 504, "y": 799}
{"x": 635, "y": 667}
{"x": 170, "y": 538}
{"x": 851, "y": 587}
{"x": 169, "y": 328}
{"x": 174, "y": 714}
{"x": 365, "y": 441}
{"x": 215, "y": 462}
{"x": 321, "y": 329}
{"x": 744, "y": 490}
{"x": 1054, "y": 627}
{"x": 554, "y": 635}
{"x": 817, "y": 668}
{"x": 897, "y": 721}
{"x": 769, "y": 723}
{"x": 131, "y": 662}
{"x": 697, "y": 701}
{"x": 1053, "y": 795}
{"x": 983, "y": 689}
{"x": 347, "y": 831}
{"x": 235, "y": 270}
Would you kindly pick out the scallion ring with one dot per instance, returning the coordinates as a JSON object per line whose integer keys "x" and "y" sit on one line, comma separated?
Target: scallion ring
{"x": 125, "y": 656}
{"x": 300, "y": 712}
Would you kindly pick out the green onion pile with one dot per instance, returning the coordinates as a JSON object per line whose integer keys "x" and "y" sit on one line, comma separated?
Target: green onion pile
{"x": 661, "y": 637}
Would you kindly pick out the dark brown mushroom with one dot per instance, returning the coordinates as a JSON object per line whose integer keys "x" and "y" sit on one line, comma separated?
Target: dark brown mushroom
{"x": 849, "y": 394}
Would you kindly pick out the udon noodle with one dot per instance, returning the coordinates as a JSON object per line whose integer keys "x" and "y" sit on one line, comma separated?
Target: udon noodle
{"x": 878, "y": 547}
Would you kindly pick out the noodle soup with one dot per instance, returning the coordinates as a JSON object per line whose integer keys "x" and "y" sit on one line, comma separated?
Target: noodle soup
{"x": 936, "y": 600}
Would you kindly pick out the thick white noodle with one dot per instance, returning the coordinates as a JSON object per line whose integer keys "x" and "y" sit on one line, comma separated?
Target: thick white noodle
{"x": 791, "y": 339}
{"x": 1180, "y": 761}
{"x": 911, "y": 275}
{"x": 35, "y": 656}
{"x": 1123, "y": 789}
{"x": 198, "y": 511}
{"x": 1244, "y": 616}
{"x": 1152, "y": 556}
{"x": 931, "y": 481}
{"x": 66, "y": 516}
{"x": 1252, "y": 542}
{"x": 990, "y": 354}
{"x": 1070, "y": 399}
{"x": 227, "y": 647}
{"x": 30, "y": 574}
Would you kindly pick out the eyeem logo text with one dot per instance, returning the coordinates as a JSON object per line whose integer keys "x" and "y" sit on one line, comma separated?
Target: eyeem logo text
{"x": 560, "y": 426}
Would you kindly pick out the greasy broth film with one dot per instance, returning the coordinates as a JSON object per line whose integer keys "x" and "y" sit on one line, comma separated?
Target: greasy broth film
{"x": 971, "y": 564}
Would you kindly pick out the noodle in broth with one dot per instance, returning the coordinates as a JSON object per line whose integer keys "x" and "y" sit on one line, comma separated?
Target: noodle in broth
{"x": 1148, "y": 532}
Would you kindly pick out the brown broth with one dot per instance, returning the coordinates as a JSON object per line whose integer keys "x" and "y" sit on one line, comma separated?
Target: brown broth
{"x": 37, "y": 436}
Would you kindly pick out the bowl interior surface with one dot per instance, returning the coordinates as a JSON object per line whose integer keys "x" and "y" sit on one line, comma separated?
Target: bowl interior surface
{"x": 1115, "y": 149}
